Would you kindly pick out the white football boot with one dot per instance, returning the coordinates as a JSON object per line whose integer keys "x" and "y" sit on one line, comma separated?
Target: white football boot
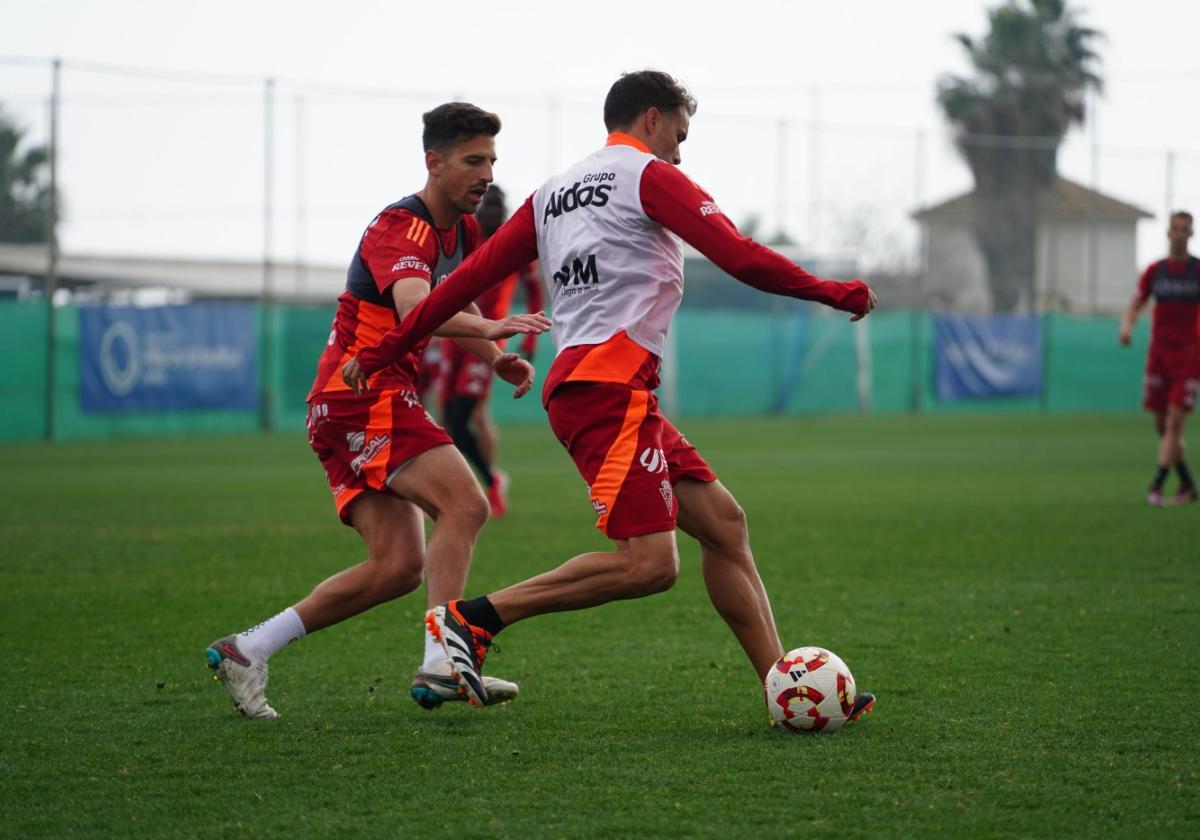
{"x": 244, "y": 677}
{"x": 431, "y": 687}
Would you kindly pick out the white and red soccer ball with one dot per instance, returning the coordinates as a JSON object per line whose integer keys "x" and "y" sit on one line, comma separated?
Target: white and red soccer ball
{"x": 810, "y": 690}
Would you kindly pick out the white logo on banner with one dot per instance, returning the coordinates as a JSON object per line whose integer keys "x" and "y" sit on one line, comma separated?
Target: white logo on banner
{"x": 120, "y": 380}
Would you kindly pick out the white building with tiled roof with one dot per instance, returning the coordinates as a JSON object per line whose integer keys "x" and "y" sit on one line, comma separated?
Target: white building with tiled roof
{"x": 1086, "y": 258}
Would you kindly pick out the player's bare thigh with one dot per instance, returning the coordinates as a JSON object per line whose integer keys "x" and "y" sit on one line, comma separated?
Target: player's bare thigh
{"x": 438, "y": 480}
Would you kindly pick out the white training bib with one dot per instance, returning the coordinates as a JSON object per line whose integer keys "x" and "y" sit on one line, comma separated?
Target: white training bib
{"x": 606, "y": 265}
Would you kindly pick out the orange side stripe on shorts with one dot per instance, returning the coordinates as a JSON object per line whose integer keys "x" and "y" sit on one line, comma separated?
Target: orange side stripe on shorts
{"x": 619, "y": 458}
{"x": 379, "y": 424}
{"x": 616, "y": 360}
{"x": 345, "y": 497}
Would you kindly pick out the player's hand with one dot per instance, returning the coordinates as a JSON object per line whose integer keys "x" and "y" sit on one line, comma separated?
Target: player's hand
{"x": 528, "y": 345}
{"x": 533, "y": 323}
{"x": 871, "y": 300}
{"x": 353, "y": 376}
{"x": 1125, "y": 336}
{"x": 513, "y": 369}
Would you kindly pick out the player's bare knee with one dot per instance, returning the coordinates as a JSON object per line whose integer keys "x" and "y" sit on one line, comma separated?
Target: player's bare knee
{"x": 654, "y": 568}
{"x": 393, "y": 580}
{"x": 726, "y": 530}
{"x": 404, "y": 579}
{"x": 394, "y": 571}
{"x": 733, "y": 523}
{"x": 471, "y": 510}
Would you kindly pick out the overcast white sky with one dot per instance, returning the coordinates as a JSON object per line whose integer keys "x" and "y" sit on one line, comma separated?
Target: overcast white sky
{"x": 176, "y": 167}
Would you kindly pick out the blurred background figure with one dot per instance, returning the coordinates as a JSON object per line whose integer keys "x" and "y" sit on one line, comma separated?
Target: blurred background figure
{"x": 1173, "y": 361}
{"x": 465, "y": 383}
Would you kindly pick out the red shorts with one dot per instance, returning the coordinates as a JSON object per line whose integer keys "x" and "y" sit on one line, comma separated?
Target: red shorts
{"x": 463, "y": 375}
{"x": 1170, "y": 387}
{"x": 1171, "y": 379}
{"x": 628, "y": 452}
{"x": 363, "y": 441}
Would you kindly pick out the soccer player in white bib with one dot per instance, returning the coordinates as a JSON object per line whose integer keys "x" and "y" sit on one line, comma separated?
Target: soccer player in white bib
{"x": 607, "y": 232}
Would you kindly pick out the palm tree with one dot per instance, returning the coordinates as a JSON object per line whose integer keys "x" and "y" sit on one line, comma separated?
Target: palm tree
{"x": 24, "y": 194}
{"x": 1033, "y": 71}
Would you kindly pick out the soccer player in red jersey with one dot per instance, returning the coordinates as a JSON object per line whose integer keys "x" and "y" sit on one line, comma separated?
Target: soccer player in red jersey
{"x": 608, "y": 232}
{"x": 386, "y": 461}
{"x": 465, "y": 382}
{"x": 1173, "y": 362}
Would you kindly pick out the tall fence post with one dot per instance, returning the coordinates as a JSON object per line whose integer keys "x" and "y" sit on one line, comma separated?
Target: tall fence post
{"x": 916, "y": 361}
{"x": 1047, "y": 357}
{"x": 1170, "y": 191}
{"x": 52, "y": 246}
{"x": 266, "y": 387}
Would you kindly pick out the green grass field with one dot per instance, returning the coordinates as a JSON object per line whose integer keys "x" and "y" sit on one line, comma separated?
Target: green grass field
{"x": 1030, "y": 627}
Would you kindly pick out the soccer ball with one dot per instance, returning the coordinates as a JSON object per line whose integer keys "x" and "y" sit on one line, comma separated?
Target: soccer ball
{"x": 810, "y": 690}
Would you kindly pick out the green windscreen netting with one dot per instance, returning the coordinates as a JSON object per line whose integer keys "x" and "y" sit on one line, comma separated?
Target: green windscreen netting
{"x": 789, "y": 358}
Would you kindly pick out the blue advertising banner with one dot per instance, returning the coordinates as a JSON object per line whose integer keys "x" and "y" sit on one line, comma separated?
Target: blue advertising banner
{"x": 977, "y": 356}
{"x": 162, "y": 358}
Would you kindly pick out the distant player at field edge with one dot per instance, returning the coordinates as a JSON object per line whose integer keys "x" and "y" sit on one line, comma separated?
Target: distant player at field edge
{"x": 1173, "y": 360}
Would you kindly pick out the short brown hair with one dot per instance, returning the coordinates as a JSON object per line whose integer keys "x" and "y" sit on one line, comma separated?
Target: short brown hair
{"x": 634, "y": 93}
{"x": 1181, "y": 213}
{"x": 450, "y": 124}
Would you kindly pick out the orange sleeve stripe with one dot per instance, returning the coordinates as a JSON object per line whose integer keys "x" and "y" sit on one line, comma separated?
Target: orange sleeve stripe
{"x": 422, "y": 232}
{"x": 619, "y": 459}
{"x": 418, "y": 230}
{"x": 379, "y": 423}
{"x": 616, "y": 360}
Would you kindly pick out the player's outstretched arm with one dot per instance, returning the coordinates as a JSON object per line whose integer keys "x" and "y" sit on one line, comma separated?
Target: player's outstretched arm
{"x": 513, "y": 245}
{"x": 670, "y": 198}
{"x": 471, "y": 324}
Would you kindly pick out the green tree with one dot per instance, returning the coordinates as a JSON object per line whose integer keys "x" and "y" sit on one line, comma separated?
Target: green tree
{"x": 25, "y": 205}
{"x": 1032, "y": 72}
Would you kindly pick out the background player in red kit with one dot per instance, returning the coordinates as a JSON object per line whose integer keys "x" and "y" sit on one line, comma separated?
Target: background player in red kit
{"x": 607, "y": 232}
{"x": 1173, "y": 362}
{"x": 385, "y": 459}
{"x": 465, "y": 382}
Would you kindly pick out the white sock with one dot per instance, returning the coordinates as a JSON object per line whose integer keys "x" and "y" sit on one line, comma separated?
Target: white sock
{"x": 271, "y": 635}
{"x": 435, "y": 656}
